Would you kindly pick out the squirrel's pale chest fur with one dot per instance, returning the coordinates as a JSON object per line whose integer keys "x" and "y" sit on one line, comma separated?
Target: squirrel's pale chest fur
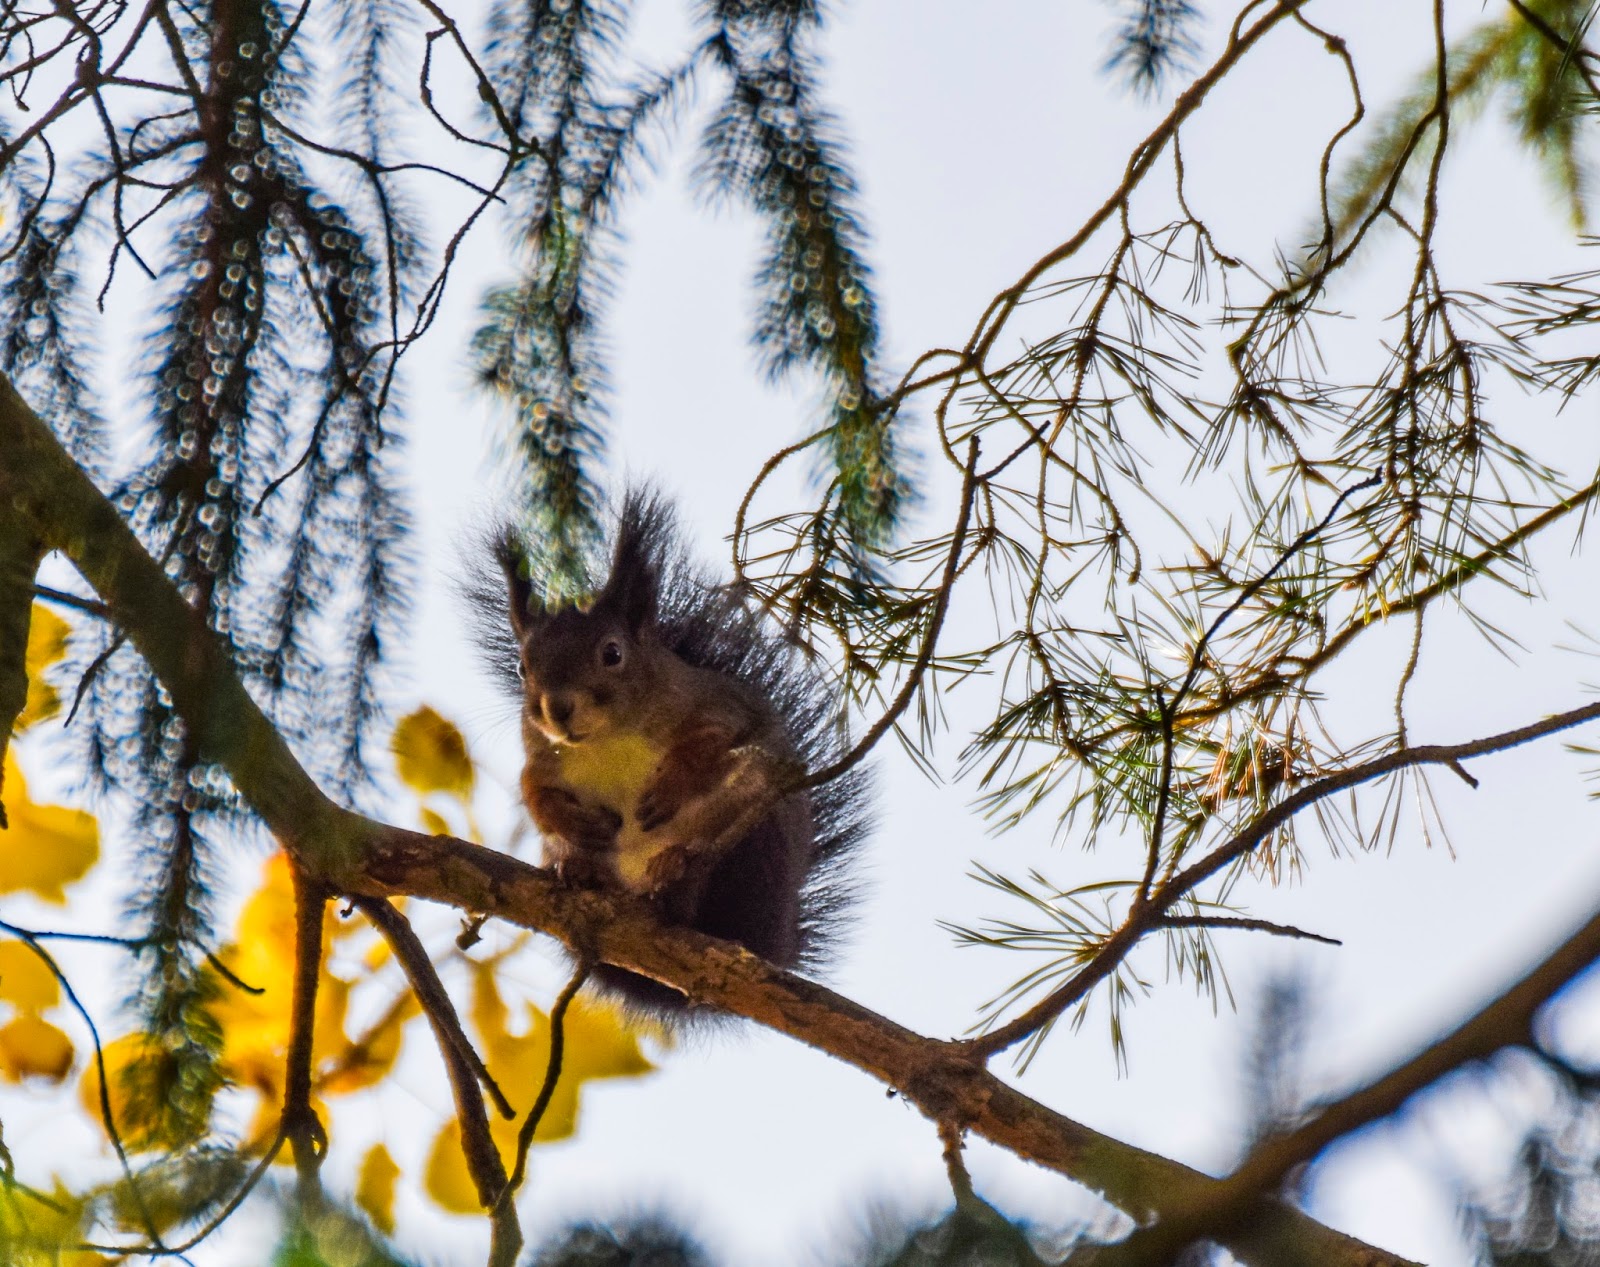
{"x": 614, "y": 772}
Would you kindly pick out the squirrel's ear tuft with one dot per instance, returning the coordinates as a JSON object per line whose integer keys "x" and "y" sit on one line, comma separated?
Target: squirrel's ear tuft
{"x": 631, "y": 592}
{"x": 633, "y": 589}
{"x": 513, "y": 561}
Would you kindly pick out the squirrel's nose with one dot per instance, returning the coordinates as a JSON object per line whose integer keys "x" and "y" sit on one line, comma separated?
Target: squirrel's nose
{"x": 558, "y": 708}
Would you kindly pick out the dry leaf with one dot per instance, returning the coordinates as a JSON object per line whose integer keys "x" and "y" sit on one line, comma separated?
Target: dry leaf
{"x": 375, "y": 1188}
{"x": 431, "y": 755}
{"x": 31, "y": 1047}
{"x": 47, "y": 643}
{"x": 47, "y": 846}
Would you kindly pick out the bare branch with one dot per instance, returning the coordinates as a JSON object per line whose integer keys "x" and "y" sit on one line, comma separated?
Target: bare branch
{"x": 299, "y": 1122}
{"x": 1507, "y": 1021}
{"x": 464, "y": 1068}
{"x": 1145, "y": 917}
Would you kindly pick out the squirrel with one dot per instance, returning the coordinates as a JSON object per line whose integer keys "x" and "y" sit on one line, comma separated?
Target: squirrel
{"x": 662, "y": 720}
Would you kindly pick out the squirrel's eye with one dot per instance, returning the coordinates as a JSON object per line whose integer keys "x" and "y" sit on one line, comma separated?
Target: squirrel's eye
{"x": 522, "y": 670}
{"x": 611, "y": 653}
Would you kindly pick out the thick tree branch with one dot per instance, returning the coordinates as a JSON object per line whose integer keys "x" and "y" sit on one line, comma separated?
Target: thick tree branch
{"x": 359, "y": 857}
{"x": 933, "y": 1074}
{"x": 53, "y": 499}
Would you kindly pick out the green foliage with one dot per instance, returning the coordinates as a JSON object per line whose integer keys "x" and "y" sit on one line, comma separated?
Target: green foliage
{"x": 265, "y": 476}
{"x": 1529, "y": 59}
{"x": 1154, "y": 678}
{"x": 639, "y": 1241}
{"x": 1154, "y": 41}
{"x": 774, "y": 146}
{"x": 263, "y": 481}
{"x": 575, "y": 124}
{"x": 330, "y": 1236}
{"x": 1156, "y": 681}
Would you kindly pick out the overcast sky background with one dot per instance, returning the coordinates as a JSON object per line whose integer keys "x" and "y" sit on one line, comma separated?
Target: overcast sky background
{"x": 983, "y": 135}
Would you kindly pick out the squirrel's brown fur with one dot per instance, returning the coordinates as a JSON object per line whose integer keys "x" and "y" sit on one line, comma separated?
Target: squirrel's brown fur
{"x": 661, "y": 719}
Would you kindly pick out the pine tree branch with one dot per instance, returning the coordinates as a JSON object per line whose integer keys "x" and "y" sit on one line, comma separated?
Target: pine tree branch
{"x": 359, "y": 857}
{"x": 1240, "y": 41}
{"x": 57, "y": 501}
{"x": 1150, "y": 914}
{"x": 1249, "y": 925}
{"x": 1506, "y": 1021}
{"x": 1572, "y": 49}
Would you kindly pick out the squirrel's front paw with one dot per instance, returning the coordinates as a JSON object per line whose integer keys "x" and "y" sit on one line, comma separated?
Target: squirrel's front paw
{"x": 582, "y": 869}
{"x": 583, "y": 826}
{"x": 658, "y": 804}
{"x": 594, "y": 827}
{"x": 665, "y": 870}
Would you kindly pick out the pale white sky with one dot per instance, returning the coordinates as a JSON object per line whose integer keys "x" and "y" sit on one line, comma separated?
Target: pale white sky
{"x": 982, "y": 135}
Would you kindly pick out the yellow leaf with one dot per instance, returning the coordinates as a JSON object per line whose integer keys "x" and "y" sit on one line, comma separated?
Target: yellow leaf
{"x": 445, "y": 1177}
{"x": 44, "y": 1233}
{"x": 368, "y": 1059}
{"x": 255, "y": 1027}
{"x": 47, "y": 846}
{"x": 375, "y": 1188}
{"x": 33, "y": 1048}
{"x": 47, "y": 643}
{"x": 25, "y": 980}
{"x": 488, "y": 1012}
{"x": 432, "y": 823}
{"x": 559, "y": 1120}
{"x": 376, "y": 955}
{"x": 431, "y": 755}
{"x": 598, "y": 1044}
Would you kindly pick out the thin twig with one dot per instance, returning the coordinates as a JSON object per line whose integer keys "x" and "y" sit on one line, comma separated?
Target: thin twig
{"x": 300, "y": 1124}
{"x": 107, "y": 1117}
{"x": 930, "y": 640}
{"x": 461, "y": 1064}
{"x": 88, "y": 605}
{"x": 1252, "y": 925}
{"x": 552, "y": 1075}
{"x": 431, "y": 994}
{"x": 1142, "y": 919}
